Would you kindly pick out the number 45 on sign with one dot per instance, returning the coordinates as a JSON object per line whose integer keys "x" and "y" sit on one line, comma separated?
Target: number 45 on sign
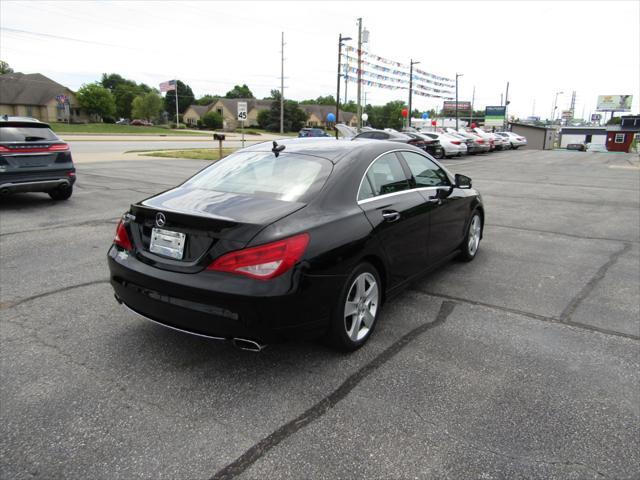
{"x": 242, "y": 116}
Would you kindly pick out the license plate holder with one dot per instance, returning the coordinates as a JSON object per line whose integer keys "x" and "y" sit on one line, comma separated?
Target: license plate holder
{"x": 167, "y": 243}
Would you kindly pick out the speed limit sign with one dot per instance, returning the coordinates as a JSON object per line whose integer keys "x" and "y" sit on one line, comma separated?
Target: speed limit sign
{"x": 242, "y": 111}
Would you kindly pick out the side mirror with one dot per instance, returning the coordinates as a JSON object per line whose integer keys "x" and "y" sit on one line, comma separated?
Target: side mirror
{"x": 462, "y": 181}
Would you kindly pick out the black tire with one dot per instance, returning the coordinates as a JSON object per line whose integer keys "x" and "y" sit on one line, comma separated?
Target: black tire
{"x": 515, "y": 147}
{"x": 338, "y": 334}
{"x": 467, "y": 251}
{"x": 61, "y": 193}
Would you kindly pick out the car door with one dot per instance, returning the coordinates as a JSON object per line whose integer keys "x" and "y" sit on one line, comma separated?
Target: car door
{"x": 398, "y": 215}
{"x": 448, "y": 206}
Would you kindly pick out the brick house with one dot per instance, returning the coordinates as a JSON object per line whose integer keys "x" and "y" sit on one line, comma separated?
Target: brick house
{"x": 34, "y": 95}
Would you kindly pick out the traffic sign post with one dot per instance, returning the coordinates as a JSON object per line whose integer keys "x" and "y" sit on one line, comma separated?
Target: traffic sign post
{"x": 242, "y": 117}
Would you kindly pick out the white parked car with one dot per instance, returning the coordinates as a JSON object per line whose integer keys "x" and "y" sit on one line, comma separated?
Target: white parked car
{"x": 596, "y": 148}
{"x": 453, "y": 146}
{"x": 501, "y": 142}
{"x": 516, "y": 140}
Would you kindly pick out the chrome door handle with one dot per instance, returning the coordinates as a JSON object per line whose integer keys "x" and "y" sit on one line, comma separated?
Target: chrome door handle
{"x": 390, "y": 215}
{"x": 435, "y": 200}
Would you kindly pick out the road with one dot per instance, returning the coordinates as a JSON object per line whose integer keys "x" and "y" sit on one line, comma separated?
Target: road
{"x": 87, "y": 149}
{"x": 521, "y": 364}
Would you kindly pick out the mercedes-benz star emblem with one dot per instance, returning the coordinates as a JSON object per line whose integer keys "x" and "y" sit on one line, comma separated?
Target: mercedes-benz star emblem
{"x": 160, "y": 219}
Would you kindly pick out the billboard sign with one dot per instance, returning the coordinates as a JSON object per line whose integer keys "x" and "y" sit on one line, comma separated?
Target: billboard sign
{"x": 494, "y": 116}
{"x": 567, "y": 114}
{"x": 614, "y": 103}
{"x": 450, "y": 107}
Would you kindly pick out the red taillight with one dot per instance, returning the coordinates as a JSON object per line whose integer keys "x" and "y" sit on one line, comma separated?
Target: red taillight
{"x": 480, "y": 141}
{"x": 264, "y": 261}
{"x": 56, "y": 147}
{"x": 59, "y": 147}
{"x": 122, "y": 237}
{"x": 455, "y": 142}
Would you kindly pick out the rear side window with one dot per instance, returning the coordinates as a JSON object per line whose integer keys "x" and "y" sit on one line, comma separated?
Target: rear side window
{"x": 426, "y": 173}
{"x": 385, "y": 175}
{"x": 11, "y": 133}
{"x": 289, "y": 177}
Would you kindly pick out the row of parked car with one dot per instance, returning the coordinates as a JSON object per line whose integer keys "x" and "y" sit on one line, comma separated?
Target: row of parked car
{"x": 441, "y": 142}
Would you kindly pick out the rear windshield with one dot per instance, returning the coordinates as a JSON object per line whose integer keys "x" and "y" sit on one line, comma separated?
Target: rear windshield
{"x": 13, "y": 133}
{"x": 289, "y": 177}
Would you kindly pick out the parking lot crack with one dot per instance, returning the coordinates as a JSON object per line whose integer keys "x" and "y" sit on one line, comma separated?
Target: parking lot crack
{"x": 573, "y": 305}
{"x": 258, "y": 450}
{"x": 6, "y": 305}
{"x": 562, "y": 234}
{"x": 534, "y": 316}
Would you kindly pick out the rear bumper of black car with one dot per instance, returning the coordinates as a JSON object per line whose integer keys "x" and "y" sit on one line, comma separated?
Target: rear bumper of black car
{"x": 36, "y": 181}
{"x": 213, "y": 304}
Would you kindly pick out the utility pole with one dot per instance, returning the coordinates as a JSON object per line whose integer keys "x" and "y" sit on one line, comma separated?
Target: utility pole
{"x": 533, "y": 108}
{"x": 473, "y": 99}
{"x": 506, "y": 107}
{"x": 177, "y": 114}
{"x": 501, "y": 100}
{"x": 457, "y": 75}
{"x": 359, "y": 109}
{"x": 282, "y": 85}
{"x": 411, "y": 63}
{"x": 340, "y": 40}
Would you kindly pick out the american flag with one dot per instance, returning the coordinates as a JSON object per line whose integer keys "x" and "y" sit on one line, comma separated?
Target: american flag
{"x": 168, "y": 86}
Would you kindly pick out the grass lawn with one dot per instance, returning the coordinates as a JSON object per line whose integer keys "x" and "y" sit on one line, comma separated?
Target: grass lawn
{"x": 112, "y": 128}
{"x": 259, "y": 131}
{"x": 210, "y": 154}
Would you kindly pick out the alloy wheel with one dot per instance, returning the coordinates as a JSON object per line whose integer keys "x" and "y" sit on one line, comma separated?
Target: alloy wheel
{"x": 475, "y": 230}
{"x": 361, "y": 306}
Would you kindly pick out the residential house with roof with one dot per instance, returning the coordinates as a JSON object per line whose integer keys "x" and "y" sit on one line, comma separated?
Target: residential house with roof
{"x": 34, "y": 95}
{"x": 317, "y": 115}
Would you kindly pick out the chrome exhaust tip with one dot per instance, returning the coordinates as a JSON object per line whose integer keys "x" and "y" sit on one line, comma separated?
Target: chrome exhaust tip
{"x": 248, "y": 345}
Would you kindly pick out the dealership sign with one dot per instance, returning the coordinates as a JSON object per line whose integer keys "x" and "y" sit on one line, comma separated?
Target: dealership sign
{"x": 614, "y": 103}
{"x": 450, "y": 107}
{"x": 494, "y": 116}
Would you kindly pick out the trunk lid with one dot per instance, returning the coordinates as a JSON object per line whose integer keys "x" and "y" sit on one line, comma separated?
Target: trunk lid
{"x": 213, "y": 223}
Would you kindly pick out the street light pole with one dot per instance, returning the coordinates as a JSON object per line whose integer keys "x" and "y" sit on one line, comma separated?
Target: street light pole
{"x": 555, "y": 105}
{"x": 457, "y": 75}
{"x": 411, "y": 63}
{"x": 340, "y": 40}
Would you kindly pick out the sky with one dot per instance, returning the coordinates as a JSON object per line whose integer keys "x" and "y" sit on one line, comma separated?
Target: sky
{"x": 540, "y": 48}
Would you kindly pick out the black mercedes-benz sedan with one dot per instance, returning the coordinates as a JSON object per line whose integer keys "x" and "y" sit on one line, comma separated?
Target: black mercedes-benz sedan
{"x": 298, "y": 239}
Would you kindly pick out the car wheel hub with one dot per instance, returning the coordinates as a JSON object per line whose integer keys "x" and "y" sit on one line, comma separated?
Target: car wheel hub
{"x": 361, "y": 306}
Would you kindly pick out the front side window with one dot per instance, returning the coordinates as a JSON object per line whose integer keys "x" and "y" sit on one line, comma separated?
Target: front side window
{"x": 289, "y": 177}
{"x": 425, "y": 172}
{"x": 384, "y": 176}
{"x": 619, "y": 138}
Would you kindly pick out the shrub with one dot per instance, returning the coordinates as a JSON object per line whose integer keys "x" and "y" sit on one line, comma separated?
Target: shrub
{"x": 108, "y": 119}
{"x": 212, "y": 120}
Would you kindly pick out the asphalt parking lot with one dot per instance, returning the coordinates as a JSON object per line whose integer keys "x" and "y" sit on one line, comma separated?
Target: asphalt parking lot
{"x": 524, "y": 363}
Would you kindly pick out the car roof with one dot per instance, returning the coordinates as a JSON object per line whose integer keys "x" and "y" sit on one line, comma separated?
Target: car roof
{"x": 14, "y": 119}
{"x": 332, "y": 149}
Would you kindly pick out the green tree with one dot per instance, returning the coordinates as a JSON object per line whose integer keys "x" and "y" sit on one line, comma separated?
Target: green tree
{"x": 5, "y": 68}
{"x": 350, "y": 106}
{"x": 207, "y": 99}
{"x": 212, "y": 120}
{"x": 328, "y": 100}
{"x": 294, "y": 116}
{"x": 239, "y": 91}
{"x": 615, "y": 121}
{"x": 97, "y": 100}
{"x": 147, "y": 106}
{"x": 386, "y": 116}
{"x": 124, "y": 90}
{"x": 185, "y": 99}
